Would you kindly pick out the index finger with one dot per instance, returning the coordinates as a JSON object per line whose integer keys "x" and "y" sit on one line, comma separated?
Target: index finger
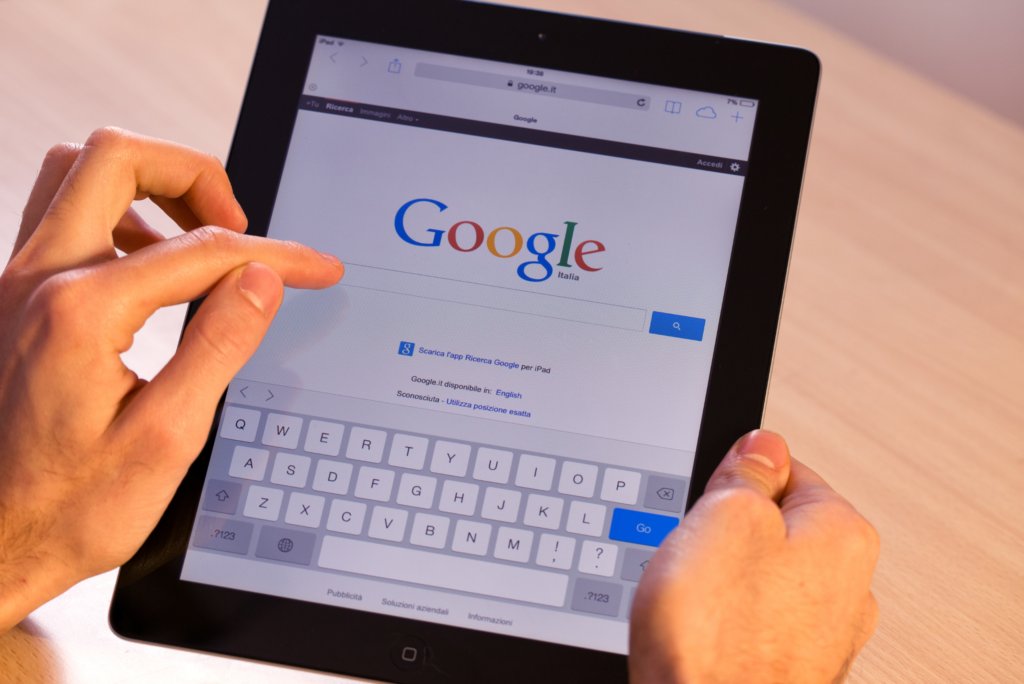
{"x": 127, "y": 291}
{"x": 113, "y": 169}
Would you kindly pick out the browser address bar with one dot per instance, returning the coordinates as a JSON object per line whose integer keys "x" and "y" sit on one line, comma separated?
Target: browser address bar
{"x": 533, "y": 87}
{"x": 494, "y": 297}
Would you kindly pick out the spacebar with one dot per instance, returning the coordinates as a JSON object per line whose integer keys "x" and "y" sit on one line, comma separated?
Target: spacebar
{"x": 445, "y": 572}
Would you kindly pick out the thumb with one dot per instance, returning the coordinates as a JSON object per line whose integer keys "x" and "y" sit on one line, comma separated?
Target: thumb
{"x": 218, "y": 341}
{"x": 759, "y": 460}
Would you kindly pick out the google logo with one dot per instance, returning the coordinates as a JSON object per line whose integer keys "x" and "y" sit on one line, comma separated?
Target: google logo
{"x": 550, "y": 241}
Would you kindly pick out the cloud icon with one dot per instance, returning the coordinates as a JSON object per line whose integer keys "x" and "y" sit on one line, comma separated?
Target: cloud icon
{"x": 706, "y": 113}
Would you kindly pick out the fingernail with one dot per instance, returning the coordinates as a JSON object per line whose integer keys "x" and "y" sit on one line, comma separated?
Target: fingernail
{"x": 259, "y": 284}
{"x": 331, "y": 259}
{"x": 765, "y": 447}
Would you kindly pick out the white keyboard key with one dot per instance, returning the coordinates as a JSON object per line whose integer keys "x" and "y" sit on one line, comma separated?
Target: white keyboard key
{"x": 304, "y": 509}
{"x": 492, "y": 465}
{"x": 535, "y": 472}
{"x": 598, "y": 558}
{"x": 429, "y": 530}
{"x": 282, "y": 431}
{"x": 513, "y": 545}
{"x": 374, "y": 483}
{"x": 346, "y": 517}
{"x": 458, "y": 497}
{"x": 416, "y": 491}
{"x": 501, "y": 504}
{"x": 248, "y": 463}
{"x": 366, "y": 445}
{"x": 408, "y": 452}
{"x": 471, "y": 537}
{"x": 332, "y": 477}
{"x": 324, "y": 438}
{"x": 586, "y": 518}
{"x": 620, "y": 486}
{"x": 578, "y": 479}
{"x": 290, "y": 470}
{"x": 388, "y": 523}
{"x": 239, "y": 424}
{"x": 263, "y": 503}
{"x": 432, "y": 569}
{"x": 450, "y": 458}
{"x": 555, "y": 552}
{"x": 543, "y": 511}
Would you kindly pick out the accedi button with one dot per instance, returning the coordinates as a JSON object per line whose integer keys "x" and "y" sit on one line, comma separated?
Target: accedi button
{"x": 408, "y": 653}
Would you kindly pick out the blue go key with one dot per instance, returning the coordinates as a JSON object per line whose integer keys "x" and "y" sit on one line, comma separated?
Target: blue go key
{"x": 637, "y": 527}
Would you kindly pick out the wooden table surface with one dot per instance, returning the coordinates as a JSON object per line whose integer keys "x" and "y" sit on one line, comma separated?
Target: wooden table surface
{"x": 900, "y": 367}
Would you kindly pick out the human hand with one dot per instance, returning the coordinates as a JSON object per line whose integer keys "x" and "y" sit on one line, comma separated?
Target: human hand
{"x": 90, "y": 455}
{"x": 751, "y": 591}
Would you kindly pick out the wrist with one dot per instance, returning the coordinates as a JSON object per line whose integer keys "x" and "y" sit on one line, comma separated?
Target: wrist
{"x": 29, "y": 575}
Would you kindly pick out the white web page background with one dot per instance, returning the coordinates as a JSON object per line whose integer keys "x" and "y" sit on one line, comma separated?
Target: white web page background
{"x": 667, "y": 232}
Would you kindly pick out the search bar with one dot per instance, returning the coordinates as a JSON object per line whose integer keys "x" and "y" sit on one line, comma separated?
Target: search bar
{"x": 533, "y": 87}
{"x": 494, "y": 297}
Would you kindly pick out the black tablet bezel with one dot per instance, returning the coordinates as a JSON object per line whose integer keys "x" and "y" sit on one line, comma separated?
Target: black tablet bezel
{"x": 151, "y": 604}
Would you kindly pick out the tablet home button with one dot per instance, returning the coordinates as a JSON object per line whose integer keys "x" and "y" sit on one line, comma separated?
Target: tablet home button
{"x": 408, "y": 653}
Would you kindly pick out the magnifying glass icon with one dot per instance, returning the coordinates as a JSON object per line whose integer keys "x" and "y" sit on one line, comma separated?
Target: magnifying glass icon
{"x": 674, "y": 325}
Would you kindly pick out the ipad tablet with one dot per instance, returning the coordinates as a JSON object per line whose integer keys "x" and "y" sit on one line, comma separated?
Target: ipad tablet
{"x": 566, "y": 244}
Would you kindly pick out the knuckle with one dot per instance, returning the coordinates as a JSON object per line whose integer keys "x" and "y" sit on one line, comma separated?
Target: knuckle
{"x": 225, "y": 337}
{"x": 208, "y": 167}
{"x": 210, "y": 239}
{"x": 61, "y": 154}
{"x": 744, "y": 504}
{"x": 108, "y": 137}
{"x": 212, "y": 162}
{"x": 160, "y": 432}
{"x": 864, "y": 537}
{"x": 63, "y": 298}
{"x": 739, "y": 474}
{"x": 853, "y": 534}
{"x": 114, "y": 144}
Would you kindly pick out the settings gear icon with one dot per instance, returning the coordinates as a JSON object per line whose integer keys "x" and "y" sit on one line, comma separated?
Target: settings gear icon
{"x": 734, "y": 167}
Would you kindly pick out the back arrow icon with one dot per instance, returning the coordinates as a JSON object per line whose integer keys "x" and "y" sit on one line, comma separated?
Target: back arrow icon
{"x": 333, "y": 56}
{"x": 242, "y": 391}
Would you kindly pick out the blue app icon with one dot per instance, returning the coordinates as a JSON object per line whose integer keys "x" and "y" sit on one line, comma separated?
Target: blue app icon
{"x": 406, "y": 348}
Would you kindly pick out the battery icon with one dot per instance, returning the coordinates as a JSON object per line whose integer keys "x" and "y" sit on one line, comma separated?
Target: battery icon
{"x": 746, "y": 103}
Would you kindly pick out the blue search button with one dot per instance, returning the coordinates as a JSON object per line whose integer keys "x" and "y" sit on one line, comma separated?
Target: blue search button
{"x": 677, "y": 326}
{"x": 637, "y": 527}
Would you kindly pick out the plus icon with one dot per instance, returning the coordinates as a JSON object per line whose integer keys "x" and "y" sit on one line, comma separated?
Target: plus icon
{"x": 736, "y": 117}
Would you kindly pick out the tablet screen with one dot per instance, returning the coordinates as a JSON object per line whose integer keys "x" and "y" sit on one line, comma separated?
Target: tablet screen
{"x": 491, "y": 421}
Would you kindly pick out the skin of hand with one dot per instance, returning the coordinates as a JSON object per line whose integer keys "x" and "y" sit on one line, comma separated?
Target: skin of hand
{"x": 767, "y": 580}
{"x": 90, "y": 455}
